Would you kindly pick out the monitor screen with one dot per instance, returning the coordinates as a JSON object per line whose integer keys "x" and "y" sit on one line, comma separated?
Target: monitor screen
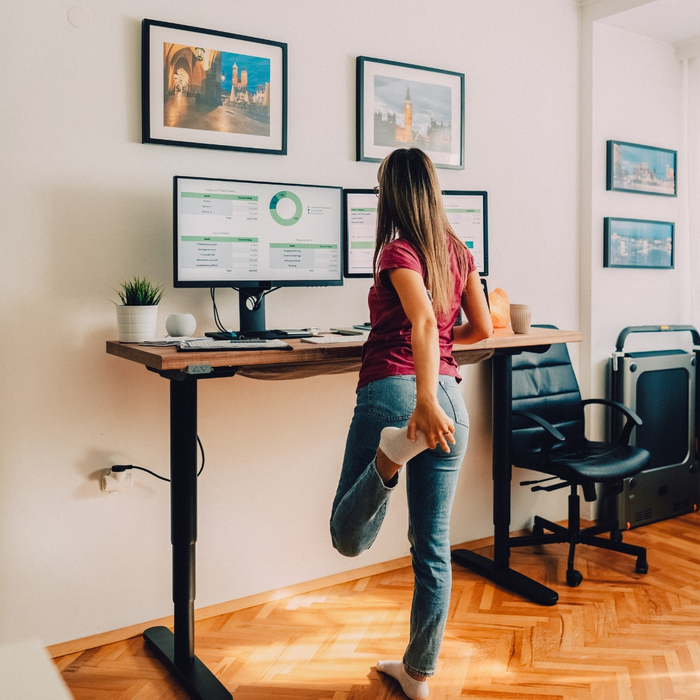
{"x": 466, "y": 211}
{"x": 244, "y": 234}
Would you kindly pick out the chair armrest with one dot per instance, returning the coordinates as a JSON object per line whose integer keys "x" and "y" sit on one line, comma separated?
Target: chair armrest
{"x": 632, "y": 418}
{"x": 553, "y": 432}
{"x": 619, "y": 406}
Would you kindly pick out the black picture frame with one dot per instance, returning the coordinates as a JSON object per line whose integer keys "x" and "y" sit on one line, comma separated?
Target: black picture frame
{"x": 632, "y": 167}
{"x": 194, "y": 95}
{"x": 382, "y": 86}
{"x": 638, "y": 243}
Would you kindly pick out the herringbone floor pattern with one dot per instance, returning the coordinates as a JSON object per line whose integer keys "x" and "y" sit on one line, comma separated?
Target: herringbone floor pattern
{"x": 618, "y": 636}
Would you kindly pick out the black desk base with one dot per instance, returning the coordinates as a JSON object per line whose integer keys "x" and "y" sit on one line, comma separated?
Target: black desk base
{"x": 175, "y": 650}
{"x": 507, "y": 577}
{"x": 194, "y": 676}
{"x": 498, "y": 569}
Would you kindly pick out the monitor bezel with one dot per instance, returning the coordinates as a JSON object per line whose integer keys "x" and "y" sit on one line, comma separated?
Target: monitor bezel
{"x": 253, "y": 284}
{"x": 346, "y": 235}
{"x": 485, "y": 196}
{"x": 368, "y": 275}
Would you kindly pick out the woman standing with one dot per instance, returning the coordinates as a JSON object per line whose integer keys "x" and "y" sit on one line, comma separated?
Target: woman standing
{"x": 409, "y": 407}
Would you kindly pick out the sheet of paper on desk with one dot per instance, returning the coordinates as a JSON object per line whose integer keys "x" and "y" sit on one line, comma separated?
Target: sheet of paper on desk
{"x": 165, "y": 342}
{"x": 336, "y": 338}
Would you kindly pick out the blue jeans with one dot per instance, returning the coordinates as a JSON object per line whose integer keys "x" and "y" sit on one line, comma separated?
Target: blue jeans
{"x": 431, "y": 478}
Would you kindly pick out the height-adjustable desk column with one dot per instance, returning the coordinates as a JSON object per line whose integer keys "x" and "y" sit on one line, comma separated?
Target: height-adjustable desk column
{"x": 176, "y": 649}
{"x": 498, "y": 569}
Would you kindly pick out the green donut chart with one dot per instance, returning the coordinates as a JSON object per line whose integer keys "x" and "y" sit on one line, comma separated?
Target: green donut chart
{"x": 285, "y": 194}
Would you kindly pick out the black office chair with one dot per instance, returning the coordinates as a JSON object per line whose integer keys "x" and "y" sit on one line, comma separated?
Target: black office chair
{"x": 548, "y": 436}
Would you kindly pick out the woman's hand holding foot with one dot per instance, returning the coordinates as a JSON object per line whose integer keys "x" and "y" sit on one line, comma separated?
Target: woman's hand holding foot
{"x": 430, "y": 420}
{"x": 396, "y": 444}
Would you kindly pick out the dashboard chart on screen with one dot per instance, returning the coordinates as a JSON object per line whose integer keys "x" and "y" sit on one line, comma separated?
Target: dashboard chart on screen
{"x": 467, "y": 212}
{"x": 255, "y": 237}
{"x": 256, "y": 234}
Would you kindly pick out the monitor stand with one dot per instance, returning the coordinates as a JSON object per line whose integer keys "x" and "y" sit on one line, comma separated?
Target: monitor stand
{"x": 486, "y": 291}
{"x": 251, "y": 312}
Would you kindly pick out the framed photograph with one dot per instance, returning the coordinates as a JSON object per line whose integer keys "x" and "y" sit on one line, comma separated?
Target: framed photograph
{"x": 400, "y": 105}
{"x": 642, "y": 169}
{"x": 638, "y": 243}
{"x": 211, "y": 89}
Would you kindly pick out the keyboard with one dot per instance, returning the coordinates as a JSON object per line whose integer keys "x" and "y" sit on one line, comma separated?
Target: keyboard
{"x": 209, "y": 344}
{"x": 323, "y": 339}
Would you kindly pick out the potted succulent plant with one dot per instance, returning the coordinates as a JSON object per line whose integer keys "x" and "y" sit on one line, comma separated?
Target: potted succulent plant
{"x": 138, "y": 313}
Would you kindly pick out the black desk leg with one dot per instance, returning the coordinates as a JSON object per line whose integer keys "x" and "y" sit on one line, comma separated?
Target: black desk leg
{"x": 176, "y": 651}
{"x": 498, "y": 569}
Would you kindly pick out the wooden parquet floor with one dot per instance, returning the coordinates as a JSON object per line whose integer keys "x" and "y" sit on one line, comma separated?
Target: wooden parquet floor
{"x": 618, "y": 636}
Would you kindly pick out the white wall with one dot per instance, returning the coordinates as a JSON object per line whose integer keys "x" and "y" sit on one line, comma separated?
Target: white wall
{"x": 637, "y": 97}
{"x": 692, "y": 122}
{"x": 85, "y": 205}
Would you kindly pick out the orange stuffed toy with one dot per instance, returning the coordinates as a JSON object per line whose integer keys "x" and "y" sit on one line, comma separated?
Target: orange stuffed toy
{"x": 500, "y": 308}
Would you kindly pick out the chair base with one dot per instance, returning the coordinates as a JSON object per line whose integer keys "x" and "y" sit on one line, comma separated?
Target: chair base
{"x": 575, "y": 535}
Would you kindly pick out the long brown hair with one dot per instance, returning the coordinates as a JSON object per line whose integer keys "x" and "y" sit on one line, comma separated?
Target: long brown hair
{"x": 410, "y": 203}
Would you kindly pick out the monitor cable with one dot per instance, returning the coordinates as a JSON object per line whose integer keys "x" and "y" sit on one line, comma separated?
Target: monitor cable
{"x": 124, "y": 467}
{"x": 255, "y": 298}
{"x": 217, "y": 320}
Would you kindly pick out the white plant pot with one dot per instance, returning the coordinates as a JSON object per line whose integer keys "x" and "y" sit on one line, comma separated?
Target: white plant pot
{"x": 136, "y": 323}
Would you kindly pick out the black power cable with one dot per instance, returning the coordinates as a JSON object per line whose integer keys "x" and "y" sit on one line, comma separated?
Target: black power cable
{"x": 124, "y": 467}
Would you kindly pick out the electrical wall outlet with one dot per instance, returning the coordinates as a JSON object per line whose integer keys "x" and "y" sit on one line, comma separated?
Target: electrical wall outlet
{"x": 116, "y": 481}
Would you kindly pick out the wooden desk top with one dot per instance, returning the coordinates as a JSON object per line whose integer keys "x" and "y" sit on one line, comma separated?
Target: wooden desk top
{"x": 324, "y": 355}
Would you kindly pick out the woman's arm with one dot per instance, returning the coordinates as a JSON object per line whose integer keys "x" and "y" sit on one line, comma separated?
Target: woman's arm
{"x": 428, "y": 416}
{"x": 478, "y": 325}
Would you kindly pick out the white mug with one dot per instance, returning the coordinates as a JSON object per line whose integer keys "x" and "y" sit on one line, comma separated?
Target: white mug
{"x": 179, "y": 325}
{"x": 520, "y": 318}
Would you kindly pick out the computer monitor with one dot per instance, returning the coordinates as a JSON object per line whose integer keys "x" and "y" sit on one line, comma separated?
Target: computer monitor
{"x": 256, "y": 236}
{"x": 467, "y": 212}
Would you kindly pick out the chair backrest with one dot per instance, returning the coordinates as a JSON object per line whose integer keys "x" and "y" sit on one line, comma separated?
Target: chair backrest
{"x": 545, "y": 384}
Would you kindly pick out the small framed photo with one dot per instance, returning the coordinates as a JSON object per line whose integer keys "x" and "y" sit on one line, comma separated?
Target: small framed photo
{"x": 400, "y": 105}
{"x": 638, "y": 243}
{"x": 211, "y": 89}
{"x": 642, "y": 169}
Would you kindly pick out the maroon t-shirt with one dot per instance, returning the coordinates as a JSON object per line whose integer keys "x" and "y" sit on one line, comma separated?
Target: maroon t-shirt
{"x": 387, "y": 351}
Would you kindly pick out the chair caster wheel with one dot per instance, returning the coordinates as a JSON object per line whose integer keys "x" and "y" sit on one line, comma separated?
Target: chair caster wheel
{"x": 642, "y": 567}
{"x": 616, "y": 535}
{"x": 573, "y": 578}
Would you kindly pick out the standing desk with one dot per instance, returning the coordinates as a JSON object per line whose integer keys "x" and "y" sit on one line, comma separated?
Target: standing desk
{"x": 183, "y": 370}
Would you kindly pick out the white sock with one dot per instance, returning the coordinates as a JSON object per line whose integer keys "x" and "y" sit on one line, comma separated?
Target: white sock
{"x": 397, "y": 447}
{"x": 416, "y": 690}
